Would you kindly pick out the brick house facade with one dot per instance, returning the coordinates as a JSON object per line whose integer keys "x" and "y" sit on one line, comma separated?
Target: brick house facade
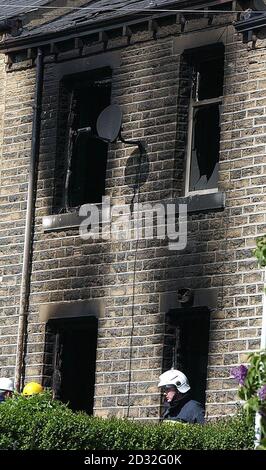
{"x": 107, "y": 316}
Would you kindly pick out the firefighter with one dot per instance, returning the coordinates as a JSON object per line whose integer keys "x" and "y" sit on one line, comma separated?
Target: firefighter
{"x": 32, "y": 388}
{"x": 178, "y": 403}
{"x": 6, "y": 388}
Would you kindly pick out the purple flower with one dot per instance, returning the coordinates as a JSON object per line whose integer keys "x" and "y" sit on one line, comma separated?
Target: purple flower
{"x": 239, "y": 373}
{"x": 262, "y": 393}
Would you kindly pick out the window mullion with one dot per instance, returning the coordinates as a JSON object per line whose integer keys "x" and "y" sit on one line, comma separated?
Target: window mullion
{"x": 197, "y": 104}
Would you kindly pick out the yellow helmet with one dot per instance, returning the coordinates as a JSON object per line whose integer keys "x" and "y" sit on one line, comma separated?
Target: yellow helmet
{"x": 32, "y": 388}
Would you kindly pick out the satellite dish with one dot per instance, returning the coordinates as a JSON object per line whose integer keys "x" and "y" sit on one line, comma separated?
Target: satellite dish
{"x": 109, "y": 123}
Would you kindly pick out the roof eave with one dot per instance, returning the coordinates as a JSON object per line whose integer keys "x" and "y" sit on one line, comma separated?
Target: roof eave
{"x": 23, "y": 42}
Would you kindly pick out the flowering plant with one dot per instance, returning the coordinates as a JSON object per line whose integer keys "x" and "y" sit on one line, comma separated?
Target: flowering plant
{"x": 252, "y": 390}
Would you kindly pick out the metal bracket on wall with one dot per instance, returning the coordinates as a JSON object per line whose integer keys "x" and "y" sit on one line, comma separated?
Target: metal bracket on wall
{"x": 154, "y": 27}
{"x": 103, "y": 37}
{"x": 79, "y": 44}
{"x": 127, "y": 32}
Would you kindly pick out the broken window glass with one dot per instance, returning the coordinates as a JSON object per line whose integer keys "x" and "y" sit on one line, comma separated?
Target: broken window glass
{"x": 204, "y": 135}
{"x": 205, "y": 148}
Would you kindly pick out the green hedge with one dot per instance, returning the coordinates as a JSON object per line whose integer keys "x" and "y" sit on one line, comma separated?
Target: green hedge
{"x": 39, "y": 422}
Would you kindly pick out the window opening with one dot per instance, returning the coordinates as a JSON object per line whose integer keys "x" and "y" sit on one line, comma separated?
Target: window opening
{"x": 204, "y": 119}
{"x": 191, "y": 346}
{"x": 73, "y": 361}
{"x": 85, "y": 156}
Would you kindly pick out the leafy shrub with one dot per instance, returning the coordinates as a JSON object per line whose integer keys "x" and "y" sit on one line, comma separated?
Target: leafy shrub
{"x": 252, "y": 390}
{"x": 38, "y": 422}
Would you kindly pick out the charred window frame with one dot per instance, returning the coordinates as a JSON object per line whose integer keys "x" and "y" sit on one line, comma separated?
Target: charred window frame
{"x": 187, "y": 346}
{"x": 203, "y": 140}
{"x": 80, "y": 172}
{"x": 70, "y": 358}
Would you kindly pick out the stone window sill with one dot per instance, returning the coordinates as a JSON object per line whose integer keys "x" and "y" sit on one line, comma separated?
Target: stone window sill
{"x": 201, "y": 202}
{"x": 69, "y": 220}
{"x": 195, "y": 204}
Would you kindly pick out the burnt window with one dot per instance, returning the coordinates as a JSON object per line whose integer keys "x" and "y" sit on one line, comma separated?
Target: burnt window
{"x": 70, "y": 360}
{"x": 206, "y": 67}
{"x": 191, "y": 338}
{"x": 83, "y": 157}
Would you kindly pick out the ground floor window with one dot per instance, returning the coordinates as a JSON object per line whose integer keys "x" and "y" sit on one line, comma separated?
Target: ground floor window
{"x": 189, "y": 346}
{"x": 71, "y": 370}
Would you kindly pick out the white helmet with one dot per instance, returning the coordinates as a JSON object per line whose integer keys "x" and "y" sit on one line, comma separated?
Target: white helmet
{"x": 6, "y": 385}
{"x": 174, "y": 377}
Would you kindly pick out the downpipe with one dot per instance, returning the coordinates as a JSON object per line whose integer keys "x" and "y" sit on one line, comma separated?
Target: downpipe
{"x": 29, "y": 226}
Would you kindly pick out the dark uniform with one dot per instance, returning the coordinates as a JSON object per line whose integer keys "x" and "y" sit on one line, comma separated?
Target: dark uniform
{"x": 184, "y": 410}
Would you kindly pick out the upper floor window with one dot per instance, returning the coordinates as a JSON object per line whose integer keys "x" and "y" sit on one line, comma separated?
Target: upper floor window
{"x": 82, "y": 158}
{"x": 204, "y": 119}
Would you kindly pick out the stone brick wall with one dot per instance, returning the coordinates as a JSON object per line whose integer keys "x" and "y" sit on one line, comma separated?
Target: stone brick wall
{"x": 219, "y": 252}
{"x": 17, "y": 99}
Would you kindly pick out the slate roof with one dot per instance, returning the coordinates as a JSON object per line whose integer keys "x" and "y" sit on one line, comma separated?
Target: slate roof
{"x": 101, "y": 10}
{"x": 10, "y": 8}
{"x": 92, "y": 14}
